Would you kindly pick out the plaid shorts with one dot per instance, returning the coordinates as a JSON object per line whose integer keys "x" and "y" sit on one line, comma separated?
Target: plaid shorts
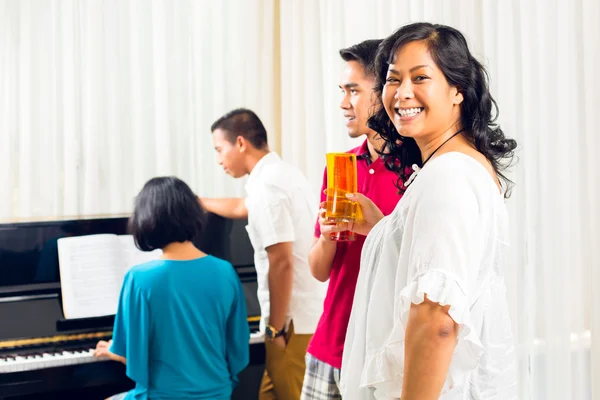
{"x": 321, "y": 381}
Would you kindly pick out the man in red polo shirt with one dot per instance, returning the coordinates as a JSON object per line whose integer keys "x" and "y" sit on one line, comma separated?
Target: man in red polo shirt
{"x": 340, "y": 261}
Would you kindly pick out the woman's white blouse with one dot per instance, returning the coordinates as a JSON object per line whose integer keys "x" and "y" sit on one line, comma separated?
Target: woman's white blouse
{"x": 447, "y": 238}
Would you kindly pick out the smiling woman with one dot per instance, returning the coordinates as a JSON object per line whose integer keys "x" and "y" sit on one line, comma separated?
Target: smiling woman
{"x": 432, "y": 271}
{"x": 417, "y": 96}
{"x": 430, "y": 89}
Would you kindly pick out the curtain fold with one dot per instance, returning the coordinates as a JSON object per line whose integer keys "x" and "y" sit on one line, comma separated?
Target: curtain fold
{"x": 98, "y": 97}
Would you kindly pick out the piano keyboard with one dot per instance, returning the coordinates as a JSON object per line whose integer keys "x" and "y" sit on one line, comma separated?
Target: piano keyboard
{"x": 33, "y": 361}
{"x": 17, "y": 363}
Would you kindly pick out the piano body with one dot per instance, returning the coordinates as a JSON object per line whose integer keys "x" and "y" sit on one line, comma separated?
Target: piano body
{"x": 44, "y": 356}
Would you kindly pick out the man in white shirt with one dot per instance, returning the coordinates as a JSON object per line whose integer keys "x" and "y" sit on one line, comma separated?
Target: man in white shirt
{"x": 280, "y": 207}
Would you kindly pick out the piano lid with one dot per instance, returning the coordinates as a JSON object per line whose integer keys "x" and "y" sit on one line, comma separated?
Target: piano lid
{"x": 29, "y": 250}
{"x": 30, "y": 281}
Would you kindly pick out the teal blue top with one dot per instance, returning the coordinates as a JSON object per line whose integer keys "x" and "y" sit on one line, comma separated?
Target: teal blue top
{"x": 182, "y": 326}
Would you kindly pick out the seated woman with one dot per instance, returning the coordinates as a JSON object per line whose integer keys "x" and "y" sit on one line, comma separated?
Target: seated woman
{"x": 181, "y": 325}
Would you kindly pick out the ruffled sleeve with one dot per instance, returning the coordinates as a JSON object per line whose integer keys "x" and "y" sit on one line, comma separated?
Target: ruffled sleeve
{"x": 445, "y": 290}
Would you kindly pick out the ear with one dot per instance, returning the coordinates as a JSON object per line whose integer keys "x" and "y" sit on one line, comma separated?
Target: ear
{"x": 457, "y": 96}
{"x": 241, "y": 143}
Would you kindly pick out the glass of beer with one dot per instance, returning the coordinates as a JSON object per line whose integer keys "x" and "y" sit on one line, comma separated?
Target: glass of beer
{"x": 341, "y": 179}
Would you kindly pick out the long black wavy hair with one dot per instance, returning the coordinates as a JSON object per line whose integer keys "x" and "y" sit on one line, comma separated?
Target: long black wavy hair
{"x": 448, "y": 48}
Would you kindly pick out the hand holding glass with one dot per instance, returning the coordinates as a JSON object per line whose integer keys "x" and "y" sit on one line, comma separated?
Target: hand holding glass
{"x": 341, "y": 179}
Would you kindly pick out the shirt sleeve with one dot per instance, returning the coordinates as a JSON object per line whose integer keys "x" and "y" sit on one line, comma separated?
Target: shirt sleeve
{"x": 322, "y": 198}
{"x": 238, "y": 333}
{"x": 446, "y": 231}
{"x": 131, "y": 330}
{"x": 274, "y": 221}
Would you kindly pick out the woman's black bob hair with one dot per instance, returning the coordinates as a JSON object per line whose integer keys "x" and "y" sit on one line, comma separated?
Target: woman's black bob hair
{"x": 166, "y": 211}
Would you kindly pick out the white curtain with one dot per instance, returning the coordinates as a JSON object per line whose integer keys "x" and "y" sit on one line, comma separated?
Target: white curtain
{"x": 96, "y": 97}
{"x": 542, "y": 56}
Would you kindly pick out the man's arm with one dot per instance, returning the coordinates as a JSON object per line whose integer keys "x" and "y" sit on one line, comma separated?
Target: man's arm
{"x": 321, "y": 257}
{"x": 322, "y": 251}
{"x": 281, "y": 278}
{"x": 429, "y": 344}
{"x": 233, "y": 208}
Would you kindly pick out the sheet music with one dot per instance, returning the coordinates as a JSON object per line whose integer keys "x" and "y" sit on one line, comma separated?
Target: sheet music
{"x": 133, "y": 256}
{"x": 91, "y": 274}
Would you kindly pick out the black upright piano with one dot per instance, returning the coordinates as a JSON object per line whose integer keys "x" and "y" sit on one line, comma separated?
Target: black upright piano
{"x": 45, "y": 356}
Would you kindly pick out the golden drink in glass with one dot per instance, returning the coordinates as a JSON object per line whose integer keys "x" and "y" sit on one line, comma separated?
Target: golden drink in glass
{"x": 341, "y": 179}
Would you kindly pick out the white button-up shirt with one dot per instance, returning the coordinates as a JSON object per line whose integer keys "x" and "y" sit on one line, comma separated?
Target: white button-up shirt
{"x": 282, "y": 208}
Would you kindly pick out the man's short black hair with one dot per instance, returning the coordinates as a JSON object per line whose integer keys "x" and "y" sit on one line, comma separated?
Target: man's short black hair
{"x": 364, "y": 53}
{"x": 245, "y": 123}
{"x": 166, "y": 211}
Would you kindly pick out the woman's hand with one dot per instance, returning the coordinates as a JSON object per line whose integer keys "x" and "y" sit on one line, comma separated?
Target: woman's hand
{"x": 369, "y": 215}
{"x": 103, "y": 350}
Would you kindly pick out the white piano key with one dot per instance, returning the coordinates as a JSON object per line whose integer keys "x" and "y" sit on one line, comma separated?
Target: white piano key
{"x": 257, "y": 337}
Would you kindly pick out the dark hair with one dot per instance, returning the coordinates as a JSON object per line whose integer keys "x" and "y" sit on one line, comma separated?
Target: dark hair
{"x": 449, "y": 49}
{"x": 166, "y": 211}
{"x": 245, "y": 123}
{"x": 364, "y": 53}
